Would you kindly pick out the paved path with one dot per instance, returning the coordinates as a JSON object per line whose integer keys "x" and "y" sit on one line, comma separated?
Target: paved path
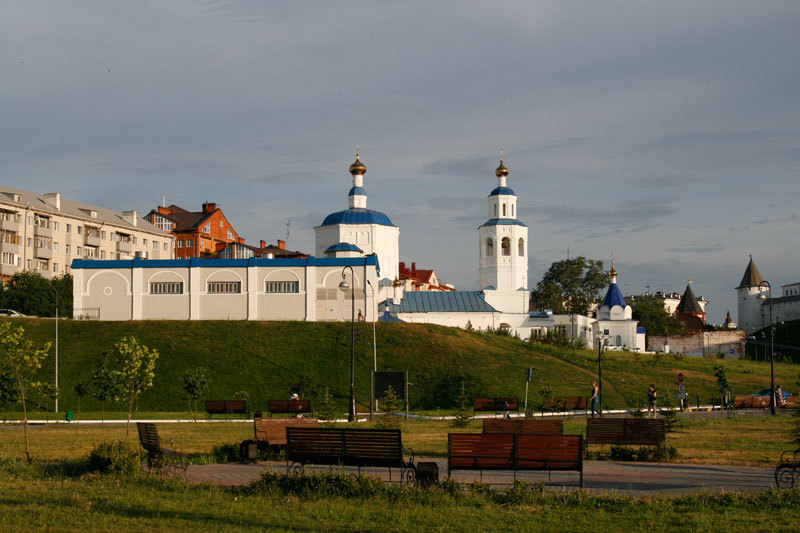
{"x": 600, "y": 476}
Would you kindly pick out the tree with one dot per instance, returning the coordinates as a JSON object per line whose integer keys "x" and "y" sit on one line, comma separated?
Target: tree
{"x": 104, "y": 386}
{"x": 23, "y": 361}
{"x": 194, "y": 384}
{"x": 31, "y": 294}
{"x": 81, "y": 390}
{"x": 135, "y": 373}
{"x": 570, "y": 286}
{"x": 722, "y": 383}
{"x": 9, "y": 393}
{"x": 653, "y": 317}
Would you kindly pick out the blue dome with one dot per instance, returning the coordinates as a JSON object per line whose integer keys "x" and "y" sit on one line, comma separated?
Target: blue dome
{"x": 502, "y": 190}
{"x": 357, "y": 215}
{"x": 343, "y": 247}
{"x": 503, "y": 222}
{"x": 614, "y": 297}
{"x": 357, "y": 191}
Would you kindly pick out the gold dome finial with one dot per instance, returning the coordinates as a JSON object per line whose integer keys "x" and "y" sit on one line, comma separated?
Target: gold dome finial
{"x": 501, "y": 171}
{"x": 358, "y": 167}
{"x": 613, "y": 272}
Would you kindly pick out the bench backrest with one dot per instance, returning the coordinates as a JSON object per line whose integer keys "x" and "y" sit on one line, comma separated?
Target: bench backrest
{"x": 791, "y": 400}
{"x": 749, "y": 401}
{"x": 625, "y": 431}
{"x": 215, "y": 406}
{"x": 148, "y": 437}
{"x": 568, "y": 403}
{"x": 523, "y": 426}
{"x": 218, "y": 407}
{"x": 236, "y": 406}
{"x": 480, "y": 451}
{"x": 273, "y": 430}
{"x": 289, "y": 406}
{"x": 549, "y": 452}
{"x": 349, "y": 447}
{"x": 496, "y": 404}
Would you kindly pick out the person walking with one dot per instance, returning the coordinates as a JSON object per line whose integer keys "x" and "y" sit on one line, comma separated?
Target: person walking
{"x": 652, "y": 395}
{"x": 595, "y": 395}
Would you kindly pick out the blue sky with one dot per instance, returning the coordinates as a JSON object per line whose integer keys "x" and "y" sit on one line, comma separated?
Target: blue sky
{"x": 666, "y": 132}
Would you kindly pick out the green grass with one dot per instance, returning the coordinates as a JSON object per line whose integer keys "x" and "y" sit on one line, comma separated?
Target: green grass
{"x": 268, "y": 360}
{"x": 32, "y": 500}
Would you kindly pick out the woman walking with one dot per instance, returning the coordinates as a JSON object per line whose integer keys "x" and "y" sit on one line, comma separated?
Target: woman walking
{"x": 651, "y": 401}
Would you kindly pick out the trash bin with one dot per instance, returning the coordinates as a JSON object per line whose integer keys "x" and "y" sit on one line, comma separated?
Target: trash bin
{"x": 248, "y": 451}
{"x": 68, "y": 416}
{"x": 427, "y": 474}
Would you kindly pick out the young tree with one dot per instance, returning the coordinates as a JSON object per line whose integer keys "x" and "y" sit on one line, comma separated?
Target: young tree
{"x": 722, "y": 383}
{"x": 81, "y": 390}
{"x": 570, "y": 286}
{"x": 104, "y": 385}
{"x": 194, "y": 384}
{"x": 23, "y": 361}
{"x": 135, "y": 374}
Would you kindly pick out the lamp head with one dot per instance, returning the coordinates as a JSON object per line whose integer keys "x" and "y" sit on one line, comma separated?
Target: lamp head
{"x": 343, "y": 286}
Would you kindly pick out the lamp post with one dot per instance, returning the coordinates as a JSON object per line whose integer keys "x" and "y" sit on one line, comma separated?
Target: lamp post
{"x": 55, "y": 402}
{"x": 344, "y": 286}
{"x": 600, "y": 338}
{"x": 373, "y": 404}
{"x": 771, "y": 348}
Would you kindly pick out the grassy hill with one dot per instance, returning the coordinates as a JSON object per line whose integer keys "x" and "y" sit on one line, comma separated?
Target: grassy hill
{"x": 268, "y": 360}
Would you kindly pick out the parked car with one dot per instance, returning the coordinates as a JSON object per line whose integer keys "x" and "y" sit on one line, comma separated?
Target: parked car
{"x": 765, "y": 392}
{"x": 9, "y": 312}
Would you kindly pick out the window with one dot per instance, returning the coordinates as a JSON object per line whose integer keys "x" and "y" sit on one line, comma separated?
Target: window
{"x": 134, "y": 239}
{"x": 207, "y": 228}
{"x": 8, "y": 259}
{"x": 30, "y": 242}
{"x": 180, "y": 244}
{"x": 619, "y": 340}
{"x": 155, "y": 246}
{"x": 522, "y": 248}
{"x": 42, "y": 264}
{"x": 69, "y": 228}
{"x": 29, "y": 264}
{"x": 506, "y": 245}
{"x": 504, "y": 209}
{"x": 165, "y": 246}
{"x": 55, "y": 267}
{"x": 166, "y": 287}
{"x": 161, "y": 223}
{"x": 30, "y": 221}
{"x": 221, "y": 224}
{"x": 495, "y": 210}
{"x": 102, "y": 254}
{"x": 8, "y": 237}
{"x": 144, "y": 242}
{"x": 78, "y": 251}
{"x": 67, "y": 249}
{"x": 489, "y": 247}
{"x": 91, "y": 252}
{"x": 79, "y": 229}
{"x": 55, "y": 226}
{"x": 225, "y": 287}
{"x": 103, "y": 235}
{"x": 189, "y": 243}
{"x": 512, "y": 210}
{"x": 283, "y": 286}
{"x": 55, "y": 246}
{"x": 230, "y": 235}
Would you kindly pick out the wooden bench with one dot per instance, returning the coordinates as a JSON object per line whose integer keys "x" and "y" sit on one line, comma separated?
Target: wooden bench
{"x": 487, "y": 451}
{"x": 791, "y": 401}
{"x": 495, "y": 405}
{"x": 522, "y": 426}
{"x": 227, "y": 407}
{"x": 272, "y": 431}
{"x": 290, "y": 407}
{"x": 568, "y": 403}
{"x": 750, "y": 402}
{"x": 158, "y": 457}
{"x": 626, "y": 431}
{"x": 381, "y": 448}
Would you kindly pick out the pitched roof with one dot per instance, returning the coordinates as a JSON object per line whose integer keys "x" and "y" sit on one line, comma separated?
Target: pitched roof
{"x": 184, "y": 220}
{"x": 693, "y": 324}
{"x": 689, "y": 303}
{"x": 614, "y": 297}
{"x": 441, "y": 302}
{"x": 752, "y": 277}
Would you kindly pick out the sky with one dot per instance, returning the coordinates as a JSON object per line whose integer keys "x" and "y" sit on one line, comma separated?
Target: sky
{"x": 666, "y": 132}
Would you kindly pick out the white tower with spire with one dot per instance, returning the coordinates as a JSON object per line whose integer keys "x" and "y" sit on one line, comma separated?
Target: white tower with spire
{"x": 750, "y": 298}
{"x": 503, "y": 249}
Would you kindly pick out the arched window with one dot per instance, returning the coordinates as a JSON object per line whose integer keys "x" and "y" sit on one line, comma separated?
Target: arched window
{"x": 489, "y": 247}
{"x": 619, "y": 340}
{"x": 495, "y": 210}
{"x": 512, "y": 210}
{"x": 522, "y": 248}
{"x": 504, "y": 209}
{"x": 506, "y": 244}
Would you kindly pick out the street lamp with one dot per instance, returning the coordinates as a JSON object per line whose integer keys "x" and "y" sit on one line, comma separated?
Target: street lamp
{"x": 771, "y": 348}
{"x": 55, "y": 404}
{"x": 344, "y": 286}
{"x": 600, "y": 339}
{"x": 373, "y": 401}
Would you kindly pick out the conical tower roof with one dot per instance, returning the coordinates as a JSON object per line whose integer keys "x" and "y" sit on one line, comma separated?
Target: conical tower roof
{"x": 752, "y": 277}
{"x": 689, "y": 303}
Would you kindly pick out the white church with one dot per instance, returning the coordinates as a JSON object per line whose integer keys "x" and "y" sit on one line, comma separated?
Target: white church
{"x": 363, "y": 246}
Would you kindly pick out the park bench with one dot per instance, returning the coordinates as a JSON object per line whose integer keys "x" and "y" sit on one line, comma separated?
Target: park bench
{"x": 495, "y": 405}
{"x": 626, "y": 432}
{"x": 272, "y": 431}
{"x": 791, "y": 401}
{"x": 226, "y": 407}
{"x": 487, "y": 451}
{"x": 380, "y": 448}
{"x": 568, "y": 403}
{"x": 750, "y": 402}
{"x": 159, "y": 458}
{"x": 787, "y": 473}
{"x": 522, "y": 426}
{"x": 290, "y": 407}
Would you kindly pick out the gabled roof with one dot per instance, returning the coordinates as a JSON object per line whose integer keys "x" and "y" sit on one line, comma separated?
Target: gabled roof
{"x": 689, "y": 303}
{"x": 441, "y": 302}
{"x": 184, "y": 220}
{"x": 752, "y": 277}
{"x": 614, "y": 297}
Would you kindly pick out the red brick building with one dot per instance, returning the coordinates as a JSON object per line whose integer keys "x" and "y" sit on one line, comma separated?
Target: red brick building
{"x": 197, "y": 234}
{"x": 415, "y": 280}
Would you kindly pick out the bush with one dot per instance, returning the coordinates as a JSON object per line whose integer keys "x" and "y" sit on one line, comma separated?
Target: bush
{"x": 115, "y": 457}
{"x": 228, "y": 453}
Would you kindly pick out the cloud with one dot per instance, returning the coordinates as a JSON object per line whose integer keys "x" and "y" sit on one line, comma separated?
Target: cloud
{"x": 695, "y": 249}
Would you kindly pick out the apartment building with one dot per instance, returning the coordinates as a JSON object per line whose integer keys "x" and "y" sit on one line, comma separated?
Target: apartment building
{"x": 197, "y": 233}
{"x": 44, "y": 233}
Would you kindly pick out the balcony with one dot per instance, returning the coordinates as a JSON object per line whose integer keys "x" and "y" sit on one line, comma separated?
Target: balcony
{"x": 92, "y": 240}
{"x": 10, "y": 225}
{"x": 125, "y": 247}
{"x": 44, "y": 273}
{"x": 43, "y": 253}
{"x": 42, "y": 231}
{"x": 9, "y": 270}
{"x": 10, "y": 248}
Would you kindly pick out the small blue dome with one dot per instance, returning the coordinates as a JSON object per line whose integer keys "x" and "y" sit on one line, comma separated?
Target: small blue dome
{"x": 503, "y": 222}
{"x": 502, "y": 190}
{"x": 357, "y": 191}
{"x": 343, "y": 247}
{"x": 357, "y": 215}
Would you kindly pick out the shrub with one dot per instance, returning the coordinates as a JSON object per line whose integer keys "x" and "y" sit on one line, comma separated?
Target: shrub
{"x": 115, "y": 457}
{"x": 462, "y": 414}
{"x": 327, "y": 408}
{"x": 391, "y": 403}
{"x": 227, "y": 453}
